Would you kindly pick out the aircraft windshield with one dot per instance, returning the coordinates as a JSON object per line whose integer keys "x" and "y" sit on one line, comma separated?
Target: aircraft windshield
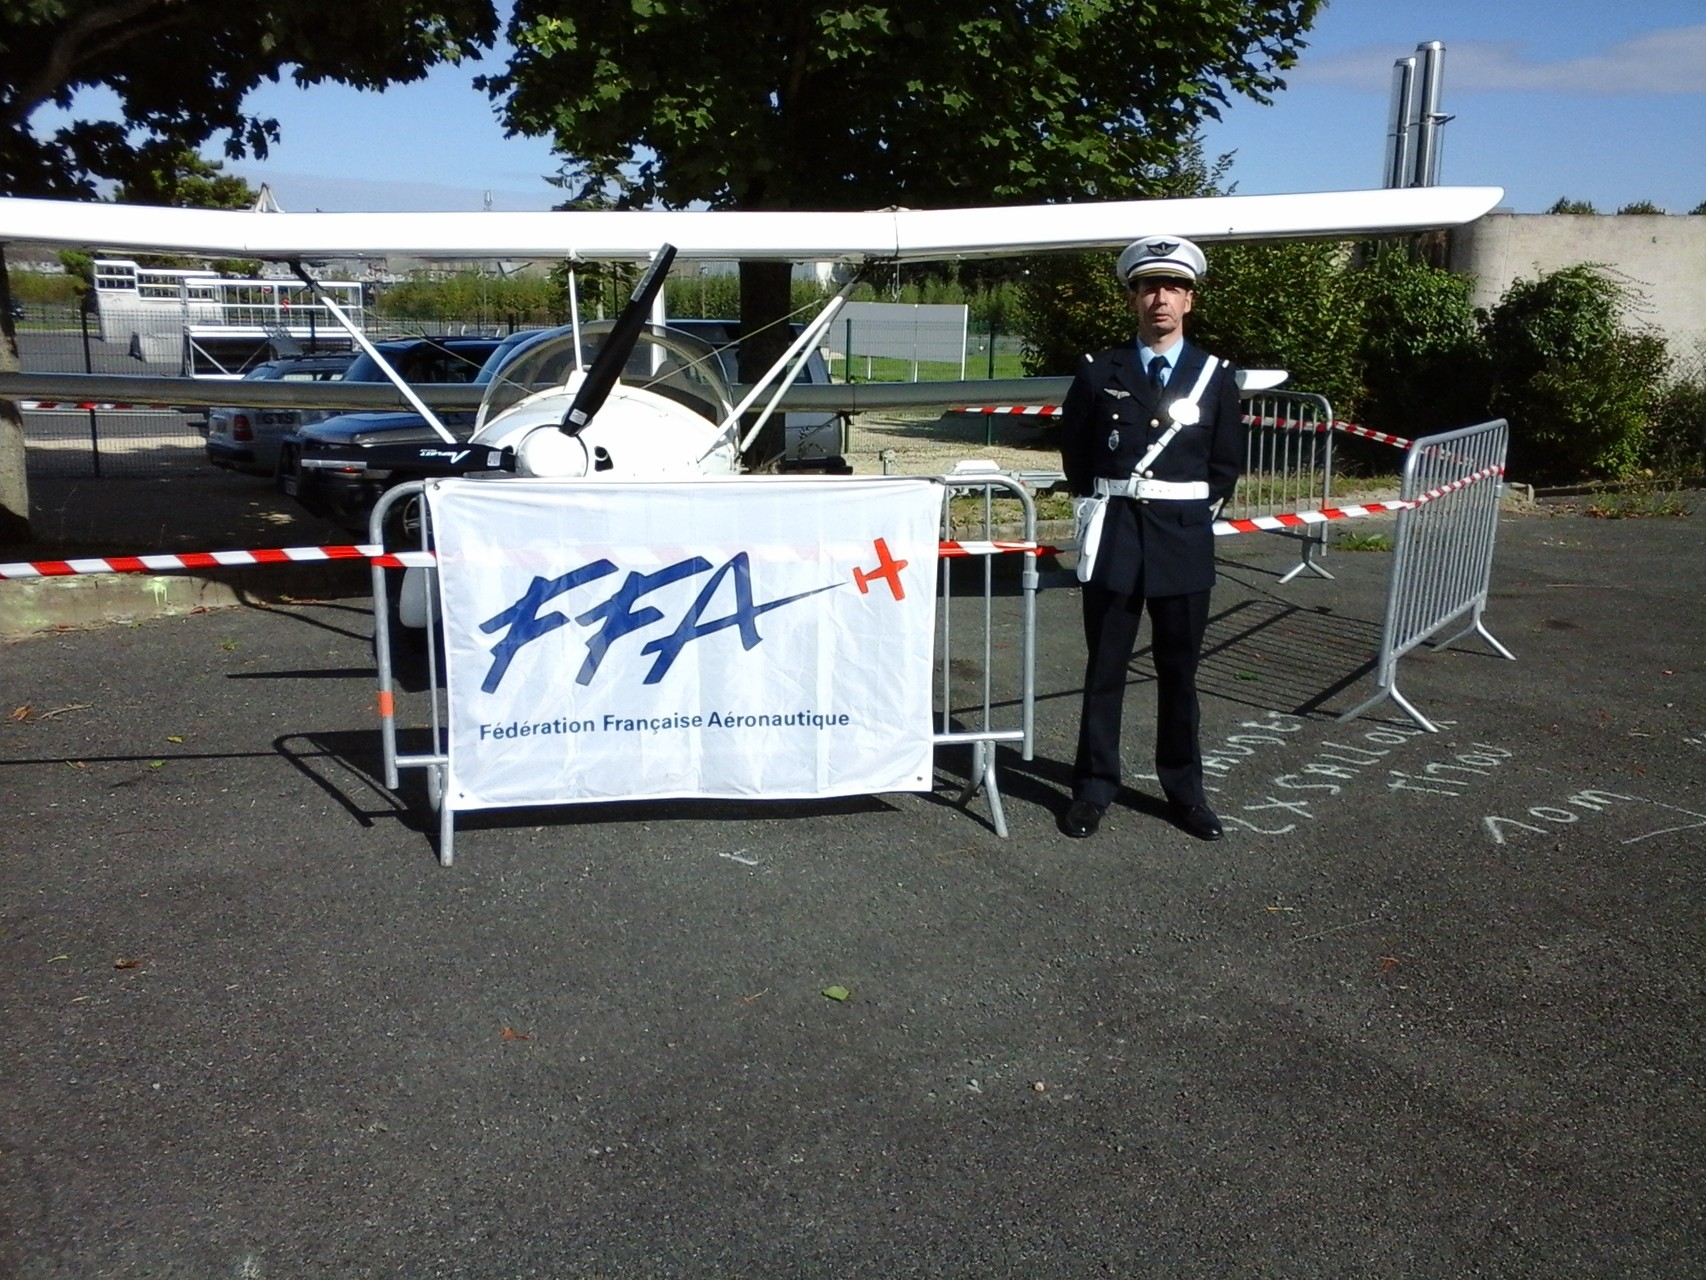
{"x": 668, "y": 362}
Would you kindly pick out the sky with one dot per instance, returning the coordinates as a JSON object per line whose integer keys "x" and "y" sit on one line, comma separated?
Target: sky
{"x": 1551, "y": 98}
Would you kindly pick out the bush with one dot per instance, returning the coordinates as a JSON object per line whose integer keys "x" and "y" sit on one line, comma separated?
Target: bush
{"x": 1423, "y": 366}
{"x": 1579, "y": 390}
{"x": 1293, "y": 306}
{"x": 1676, "y": 445}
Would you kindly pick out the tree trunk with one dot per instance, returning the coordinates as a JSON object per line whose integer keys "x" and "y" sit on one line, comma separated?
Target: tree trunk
{"x": 766, "y": 301}
{"x": 14, "y": 483}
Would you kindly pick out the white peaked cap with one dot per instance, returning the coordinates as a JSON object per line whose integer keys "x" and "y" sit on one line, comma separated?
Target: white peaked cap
{"x": 1159, "y": 255}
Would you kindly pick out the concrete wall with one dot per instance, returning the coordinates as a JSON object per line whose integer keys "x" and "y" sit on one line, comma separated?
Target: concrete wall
{"x": 1662, "y": 256}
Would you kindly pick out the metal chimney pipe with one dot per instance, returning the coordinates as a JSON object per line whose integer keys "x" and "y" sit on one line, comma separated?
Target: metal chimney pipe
{"x": 1427, "y": 117}
{"x": 1399, "y": 139}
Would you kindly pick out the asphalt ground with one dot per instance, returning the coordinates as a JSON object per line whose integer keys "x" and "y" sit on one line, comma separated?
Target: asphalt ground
{"x": 1432, "y": 1008}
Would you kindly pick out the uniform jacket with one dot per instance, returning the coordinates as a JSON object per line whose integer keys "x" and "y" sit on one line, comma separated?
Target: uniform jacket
{"x": 1110, "y": 418}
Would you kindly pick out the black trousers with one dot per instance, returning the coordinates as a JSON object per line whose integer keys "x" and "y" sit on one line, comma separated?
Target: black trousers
{"x": 1176, "y": 626}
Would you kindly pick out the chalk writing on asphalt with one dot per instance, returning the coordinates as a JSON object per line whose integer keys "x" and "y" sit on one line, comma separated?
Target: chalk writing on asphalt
{"x": 1573, "y": 808}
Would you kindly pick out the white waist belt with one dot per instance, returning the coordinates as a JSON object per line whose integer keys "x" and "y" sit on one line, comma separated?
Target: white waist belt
{"x": 1166, "y": 490}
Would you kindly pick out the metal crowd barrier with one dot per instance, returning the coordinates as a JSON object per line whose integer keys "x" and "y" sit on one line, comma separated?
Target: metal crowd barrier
{"x": 975, "y": 703}
{"x": 1288, "y": 466}
{"x": 1443, "y": 550}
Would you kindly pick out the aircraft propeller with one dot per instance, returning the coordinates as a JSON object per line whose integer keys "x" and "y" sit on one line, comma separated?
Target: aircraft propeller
{"x": 607, "y": 365}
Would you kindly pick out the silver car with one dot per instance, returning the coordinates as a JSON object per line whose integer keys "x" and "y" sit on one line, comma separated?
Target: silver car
{"x": 247, "y": 439}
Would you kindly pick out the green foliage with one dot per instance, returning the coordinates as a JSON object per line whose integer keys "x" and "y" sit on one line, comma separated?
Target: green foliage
{"x": 1579, "y": 390}
{"x": 184, "y": 180}
{"x": 850, "y": 105}
{"x": 1290, "y": 305}
{"x": 1698, "y": 209}
{"x": 1423, "y": 368}
{"x": 180, "y": 73}
{"x": 1676, "y": 444}
{"x": 475, "y": 296}
{"x": 1641, "y": 206}
{"x": 1566, "y": 205}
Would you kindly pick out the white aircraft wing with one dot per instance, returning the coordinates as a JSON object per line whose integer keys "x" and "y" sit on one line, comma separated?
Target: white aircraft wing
{"x": 891, "y": 234}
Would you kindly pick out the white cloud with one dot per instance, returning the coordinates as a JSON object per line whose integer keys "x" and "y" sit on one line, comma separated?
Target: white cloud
{"x": 1658, "y": 62}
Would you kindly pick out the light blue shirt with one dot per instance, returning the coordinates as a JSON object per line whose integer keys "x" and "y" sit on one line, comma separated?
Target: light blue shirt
{"x": 1170, "y": 355}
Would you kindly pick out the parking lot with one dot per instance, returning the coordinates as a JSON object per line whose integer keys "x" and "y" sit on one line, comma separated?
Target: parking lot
{"x": 1430, "y": 1009}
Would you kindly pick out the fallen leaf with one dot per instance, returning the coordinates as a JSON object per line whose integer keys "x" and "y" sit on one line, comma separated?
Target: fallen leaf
{"x": 510, "y": 1033}
{"x": 1388, "y": 963}
{"x": 75, "y": 764}
{"x": 836, "y": 993}
{"x": 156, "y": 764}
{"x": 57, "y": 959}
{"x": 22, "y": 713}
{"x": 172, "y": 737}
{"x": 129, "y": 964}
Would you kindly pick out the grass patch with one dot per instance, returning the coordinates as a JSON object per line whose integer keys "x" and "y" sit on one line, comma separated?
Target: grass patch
{"x": 1645, "y": 504}
{"x": 1362, "y": 542}
{"x": 967, "y": 511}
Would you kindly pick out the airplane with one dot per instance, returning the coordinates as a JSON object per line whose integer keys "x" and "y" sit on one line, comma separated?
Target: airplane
{"x": 644, "y": 403}
{"x": 852, "y": 239}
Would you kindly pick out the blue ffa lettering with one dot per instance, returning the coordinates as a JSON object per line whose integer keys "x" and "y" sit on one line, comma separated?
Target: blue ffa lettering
{"x": 617, "y": 616}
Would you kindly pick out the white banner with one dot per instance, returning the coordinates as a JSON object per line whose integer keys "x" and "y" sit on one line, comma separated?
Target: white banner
{"x": 751, "y": 637}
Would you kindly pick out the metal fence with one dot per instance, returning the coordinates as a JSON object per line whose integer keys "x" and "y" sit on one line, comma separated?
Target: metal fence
{"x": 1443, "y": 561}
{"x": 1288, "y": 466}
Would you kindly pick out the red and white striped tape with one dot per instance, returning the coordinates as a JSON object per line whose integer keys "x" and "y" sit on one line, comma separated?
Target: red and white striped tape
{"x": 165, "y": 563}
{"x": 1254, "y": 420}
{"x": 1297, "y": 519}
{"x": 105, "y": 406}
{"x": 168, "y": 563}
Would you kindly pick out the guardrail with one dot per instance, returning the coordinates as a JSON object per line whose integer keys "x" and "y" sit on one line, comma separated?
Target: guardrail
{"x": 1443, "y": 550}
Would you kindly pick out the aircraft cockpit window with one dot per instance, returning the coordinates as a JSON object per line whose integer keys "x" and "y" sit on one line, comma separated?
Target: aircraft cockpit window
{"x": 671, "y": 363}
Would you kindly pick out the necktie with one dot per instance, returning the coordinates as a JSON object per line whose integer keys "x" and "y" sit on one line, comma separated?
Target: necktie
{"x": 1158, "y": 372}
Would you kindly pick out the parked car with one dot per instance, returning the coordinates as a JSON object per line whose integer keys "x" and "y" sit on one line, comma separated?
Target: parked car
{"x": 348, "y": 494}
{"x": 416, "y": 360}
{"x": 247, "y": 439}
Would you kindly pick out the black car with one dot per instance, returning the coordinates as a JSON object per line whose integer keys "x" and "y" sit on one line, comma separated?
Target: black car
{"x": 432, "y": 361}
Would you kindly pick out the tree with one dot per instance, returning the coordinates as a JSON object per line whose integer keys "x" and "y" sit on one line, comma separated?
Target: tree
{"x": 180, "y": 70}
{"x": 778, "y": 104}
{"x": 1564, "y": 204}
{"x": 185, "y": 180}
{"x": 1641, "y": 206}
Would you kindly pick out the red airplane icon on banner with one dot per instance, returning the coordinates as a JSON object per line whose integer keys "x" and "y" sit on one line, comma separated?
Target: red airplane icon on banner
{"x": 888, "y": 568}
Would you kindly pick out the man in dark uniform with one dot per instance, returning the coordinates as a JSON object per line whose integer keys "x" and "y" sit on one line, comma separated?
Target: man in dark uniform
{"x": 1150, "y": 434}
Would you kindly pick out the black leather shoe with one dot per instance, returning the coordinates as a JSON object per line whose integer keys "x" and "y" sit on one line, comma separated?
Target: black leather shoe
{"x": 1197, "y": 820}
{"x": 1082, "y": 819}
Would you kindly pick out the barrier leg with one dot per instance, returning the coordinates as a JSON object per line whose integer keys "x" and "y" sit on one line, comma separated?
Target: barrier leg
{"x": 1479, "y": 627}
{"x": 1308, "y": 563}
{"x": 1390, "y": 691}
{"x": 983, "y": 776}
